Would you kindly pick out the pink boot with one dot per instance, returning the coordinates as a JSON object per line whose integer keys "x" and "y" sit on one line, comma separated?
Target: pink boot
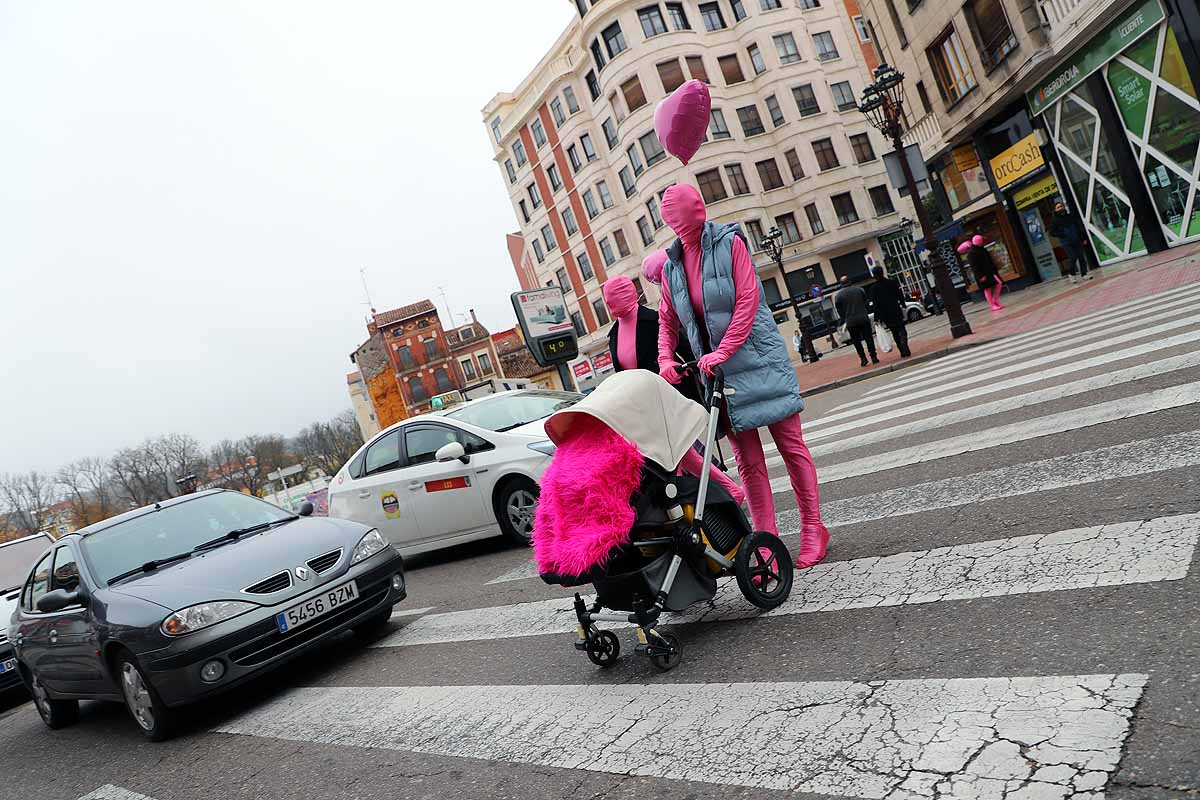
{"x": 813, "y": 541}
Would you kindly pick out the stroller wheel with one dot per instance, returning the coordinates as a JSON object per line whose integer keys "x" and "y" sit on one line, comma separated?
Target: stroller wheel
{"x": 604, "y": 649}
{"x": 665, "y": 662}
{"x": 765, "y": 581}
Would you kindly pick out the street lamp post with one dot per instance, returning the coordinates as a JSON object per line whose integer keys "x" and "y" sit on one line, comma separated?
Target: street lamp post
{"x": 772, "y": 242}
{"x": 882, "y": 103}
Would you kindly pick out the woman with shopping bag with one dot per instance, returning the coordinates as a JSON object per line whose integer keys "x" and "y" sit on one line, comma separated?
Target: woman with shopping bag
{"x": 887, "y": 298}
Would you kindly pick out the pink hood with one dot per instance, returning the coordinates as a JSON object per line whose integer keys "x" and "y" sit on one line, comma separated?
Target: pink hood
{"x": 683, "y": 210}
{"x": 621, "y": 297}
{"x": 652, "y": 267}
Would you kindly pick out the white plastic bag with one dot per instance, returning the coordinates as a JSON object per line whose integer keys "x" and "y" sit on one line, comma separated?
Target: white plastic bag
{"x": 885, "y": 338}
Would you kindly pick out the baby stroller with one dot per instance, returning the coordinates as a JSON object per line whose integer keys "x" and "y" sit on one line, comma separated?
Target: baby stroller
{"x": 686, "y": 533}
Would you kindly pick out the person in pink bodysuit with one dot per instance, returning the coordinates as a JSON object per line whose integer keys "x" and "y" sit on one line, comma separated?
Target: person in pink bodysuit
{"x": 633, "y": 344}
{"x": 683, "y": 210}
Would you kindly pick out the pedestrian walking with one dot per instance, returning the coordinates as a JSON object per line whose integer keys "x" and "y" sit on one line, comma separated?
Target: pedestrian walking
{"x": 851, "y": 305}
{"x": 712, "y": 294}
{"x": 1064, "y": 228}
{"x": 808, "y": 349}
{"x": 887, "y": 299}
{"x": 984, "y": 269}
{"x": 796, "y": 345}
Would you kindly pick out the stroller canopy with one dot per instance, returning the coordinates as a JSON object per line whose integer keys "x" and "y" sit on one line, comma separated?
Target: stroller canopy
{"x": 643, "y": 408}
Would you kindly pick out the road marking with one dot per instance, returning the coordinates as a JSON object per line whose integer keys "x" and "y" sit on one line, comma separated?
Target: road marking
{"x": 110, "y": 792}
{"x": 412, "y": 612}
{"x": 1075, "y": 419}
{"x": 1105, "y": 555}
{"x": 527, "y": 569}
{"x": 1106, "y": 343}
{"x": 1049, "y": 736}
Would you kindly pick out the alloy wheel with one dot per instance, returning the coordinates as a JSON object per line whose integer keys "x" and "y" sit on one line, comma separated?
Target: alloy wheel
{"x": 40, "y": 698}
{"x": 521, "y": 507}
{"x": 137, "y": 696}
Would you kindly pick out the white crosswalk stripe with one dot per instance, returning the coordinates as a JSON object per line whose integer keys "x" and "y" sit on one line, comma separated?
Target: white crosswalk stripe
{"x": 110, "y": 792}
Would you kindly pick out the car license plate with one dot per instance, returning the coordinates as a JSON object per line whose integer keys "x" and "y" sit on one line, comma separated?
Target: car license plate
{"x": 322, "y": 604}
{"x": 8, "y": 666}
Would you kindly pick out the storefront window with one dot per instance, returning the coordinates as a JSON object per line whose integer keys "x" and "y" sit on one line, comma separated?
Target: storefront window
{"x": 963, "y": 177}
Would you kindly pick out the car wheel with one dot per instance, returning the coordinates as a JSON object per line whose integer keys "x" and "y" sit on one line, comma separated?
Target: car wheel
{"x": 913, "y": 315}
{"x": 515, "y": 506}
{"x": 152, "y": 716}
{"x": 55, "y": 713}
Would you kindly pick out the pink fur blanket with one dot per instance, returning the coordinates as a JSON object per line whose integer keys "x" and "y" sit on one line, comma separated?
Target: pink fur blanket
{"x": 584, "y": 510}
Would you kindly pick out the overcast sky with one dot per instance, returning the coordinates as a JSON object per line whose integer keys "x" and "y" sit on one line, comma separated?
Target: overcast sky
{"x": 190, "y": 189}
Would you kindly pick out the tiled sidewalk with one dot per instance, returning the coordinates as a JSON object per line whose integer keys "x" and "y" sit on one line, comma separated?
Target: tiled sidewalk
{"x": 1041, "y": 305}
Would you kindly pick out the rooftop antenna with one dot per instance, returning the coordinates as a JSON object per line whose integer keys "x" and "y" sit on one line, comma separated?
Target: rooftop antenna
{"x": 445, "y": 302}
{"x": 362, "y": 274}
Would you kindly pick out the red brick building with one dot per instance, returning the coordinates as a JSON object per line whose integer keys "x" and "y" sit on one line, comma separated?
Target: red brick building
{"x": 419, "y": 352}
{"x": 473, "y": 351}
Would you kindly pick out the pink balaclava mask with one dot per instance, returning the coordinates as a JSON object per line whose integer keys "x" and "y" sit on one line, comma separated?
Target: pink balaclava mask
{"x": 652, "y": 266}
{"x": 683, "y": 210}
{"x": 621, "y": 296}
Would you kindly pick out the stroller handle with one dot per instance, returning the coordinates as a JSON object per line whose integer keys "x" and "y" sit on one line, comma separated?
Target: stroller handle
{"x": 692, "y": 369}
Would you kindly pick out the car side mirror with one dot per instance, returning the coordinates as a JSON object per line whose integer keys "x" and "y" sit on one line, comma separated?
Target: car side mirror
{"x": 306, "y": 509}
{"x": 453, "y": 451}
{"x": 58, "y": 600}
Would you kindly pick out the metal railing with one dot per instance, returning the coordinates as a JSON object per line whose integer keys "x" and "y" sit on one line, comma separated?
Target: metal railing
{"x": 1065, "y": 19}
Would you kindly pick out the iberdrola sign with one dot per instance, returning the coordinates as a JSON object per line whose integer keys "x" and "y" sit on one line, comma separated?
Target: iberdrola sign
{"x": 1137, "y": 21}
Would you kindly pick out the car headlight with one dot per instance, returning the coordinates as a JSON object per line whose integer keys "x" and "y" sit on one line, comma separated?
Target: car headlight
{"x": 545, "y": 448}
{"x": 198, "y": 617}
{"x": 368, "y": 546}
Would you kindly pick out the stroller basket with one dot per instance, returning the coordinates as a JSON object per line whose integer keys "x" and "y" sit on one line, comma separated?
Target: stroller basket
{"x": 625, "y": 591}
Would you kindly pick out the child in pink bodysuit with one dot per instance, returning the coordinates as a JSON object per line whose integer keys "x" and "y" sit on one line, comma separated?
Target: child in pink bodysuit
{"x": 683, "y": 210}
{"x": 633, "y": 344}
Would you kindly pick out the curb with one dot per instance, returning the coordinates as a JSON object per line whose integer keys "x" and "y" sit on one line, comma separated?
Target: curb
{"x": 899, "y": 365}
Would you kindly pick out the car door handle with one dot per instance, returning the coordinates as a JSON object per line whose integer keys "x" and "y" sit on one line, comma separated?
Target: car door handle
{"x": 53, "y": 636}
{"x": 412, "y": 487}
{"x": 20, "y": 637}
{"x": 363, "y": 495}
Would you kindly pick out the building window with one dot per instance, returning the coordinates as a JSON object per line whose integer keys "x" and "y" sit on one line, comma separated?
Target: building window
{"x": 519, "y": 152}
{"x": 814, "y": 219}
{"x": 679, "y": 20}
{"x": 606, "y": 252}
{"x": 496, "y": 130}
{"x": 860, "y": 143}
{"x": 573, "y": 157}
{"x": 593, "y": 84}
{"x": 716, "y": 124}
{"x": 468, "y": 368}
{"x": 585, "y": 266}
{"x": 556, "y": 110}
{"x": 826, "y": 155}
{"x": 569, "y": 96}
{"x": 785, "y": 46}
{"x": 610, "y": 132}
{"x": 485, "y": 364}
{"x": 635, "y": 160}
{"x": 756, "y": 59}
{"x": 564, "y": 283}
{"x": 622, "y": 243}
{"x": 548, "y": 238}
{"x": 993, "y": 35}
{"x": 881, "y": 198}
{"x": 755, "y": 230}
{"x": 739, "y": 10}
{"x": 695, "y": 65}
{"x": 404, "y": 355}
{"x": 924, "y": 96}
{"x": 793, "y": 162}
{"x": 524, "y": 210}
{"x": 568, "y": 216}
{"x": 512, "y": 173}
{"x": 538, "y": 252}
{"x": 432, "y": 353}
{"x": 581, "y": 7}
{"x": 577, "y": 321}
{"x": 711, "y": 14}
{"x": 731, "y": 69}
{"x": 589, "y": 204}
{"x": 635, "y": 98}
{"x": 535, "y": 195}
{"x": 806, "y": 100}
{"x": 671, "y": 75}
{"x": 770, "y": 5}
{"x": 643, "y": 226}
{"x": 539, "y": 133}
{"x": 843, "y": 96}
{"x": 752, "y": 124}
{"x": 791, "y": 231}
{"x": 655, "y": 217}
{"x": 628, "y": 183}
{"x": 614, "y": 39}
{"x": 601, "y": 312}
{"x": 589, "y": 150}
{"x": 863, "y": 30}
{"x": 843, "y": 206}
{"x": 652, "y": 21}
{"x": 555, "y": 179}
{"x": 809, "y": 5}
{"x": 775, "y": 111}
{"x": 712, "y": 188}
{"x": 950, "y": 67}
{"x": 826, "y": 49}
{"x": 737, "y": 179}
{"x": 442, "y": 378}
{"x": 652, "y": 148}
{"x": 768, "y": 173}
{"x": 606, "y": 199}
{"x": 417, "y": 390}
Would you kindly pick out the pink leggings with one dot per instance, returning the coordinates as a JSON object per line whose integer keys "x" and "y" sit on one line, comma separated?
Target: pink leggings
{"x": 693, "y": 462}
{"x": 752, "y": 466}
{"x": 992, "y": 295}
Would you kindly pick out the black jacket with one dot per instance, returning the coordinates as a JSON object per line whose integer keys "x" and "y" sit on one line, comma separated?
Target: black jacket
{"x": 982, "y": 267}
{"x": 888, "y": 302}
{"x": 647, "y": 350}
{"x": 851, "y": 305}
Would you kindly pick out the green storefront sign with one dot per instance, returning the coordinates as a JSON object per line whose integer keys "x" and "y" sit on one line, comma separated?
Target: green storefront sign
{"x": 1134, "y": 23}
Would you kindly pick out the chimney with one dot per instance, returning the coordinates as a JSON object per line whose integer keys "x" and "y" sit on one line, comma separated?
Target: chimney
{"x": 473, "y": 317}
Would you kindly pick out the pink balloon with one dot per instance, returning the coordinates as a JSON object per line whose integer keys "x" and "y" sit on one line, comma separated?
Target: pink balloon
{"x": 977, "y": 240}
{"x": 964, "y": 248}
{"x": 652, "y": 266}
{"x": 681, "y": 119}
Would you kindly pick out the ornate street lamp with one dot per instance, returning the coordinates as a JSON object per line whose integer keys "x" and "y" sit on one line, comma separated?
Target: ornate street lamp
{"x": 883, "y": 105}
{"x": 772, "y": 242}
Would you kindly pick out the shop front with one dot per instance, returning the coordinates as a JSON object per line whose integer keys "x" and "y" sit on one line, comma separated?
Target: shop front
{"x": 1124, "y": 118}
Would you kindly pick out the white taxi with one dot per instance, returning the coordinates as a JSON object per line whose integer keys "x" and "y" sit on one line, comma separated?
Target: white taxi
{"x": 454, "y": 476}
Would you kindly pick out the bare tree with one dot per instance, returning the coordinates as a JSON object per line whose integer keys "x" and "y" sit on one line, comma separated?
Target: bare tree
{"x": 87, "y": 485}
{"x": 29, "y": 497}
{"x": 329, "y": 445}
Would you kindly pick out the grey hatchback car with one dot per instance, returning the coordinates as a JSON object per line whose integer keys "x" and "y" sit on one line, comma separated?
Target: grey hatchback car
{"x": 174, "y": 602}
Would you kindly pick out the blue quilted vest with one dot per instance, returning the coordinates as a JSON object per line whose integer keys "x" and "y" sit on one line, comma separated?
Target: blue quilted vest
{"x": 765, "y": 389}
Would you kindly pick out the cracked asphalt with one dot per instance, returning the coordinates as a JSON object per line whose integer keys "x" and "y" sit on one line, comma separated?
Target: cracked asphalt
{"x": 1017, "y": 620}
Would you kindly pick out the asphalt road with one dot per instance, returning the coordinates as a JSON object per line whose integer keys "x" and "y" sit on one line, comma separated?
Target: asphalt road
{"x": 1010, "y": 608}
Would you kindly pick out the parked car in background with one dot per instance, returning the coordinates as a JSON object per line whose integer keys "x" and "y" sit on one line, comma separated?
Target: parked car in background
{"x": 455, "y": 476}
{"x": 177, "y": 601}
{"x": 16, "y": 559}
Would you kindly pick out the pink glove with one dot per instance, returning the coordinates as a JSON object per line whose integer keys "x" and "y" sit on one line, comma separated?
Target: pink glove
{"x": 710, "y": 362}
{"x": 670, "y": 373}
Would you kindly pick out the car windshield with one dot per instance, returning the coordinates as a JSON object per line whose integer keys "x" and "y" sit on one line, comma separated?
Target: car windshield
{"x": 173, "y": 530}
{"x": 510, "y": 411}
{"x": 17, "y": 558}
